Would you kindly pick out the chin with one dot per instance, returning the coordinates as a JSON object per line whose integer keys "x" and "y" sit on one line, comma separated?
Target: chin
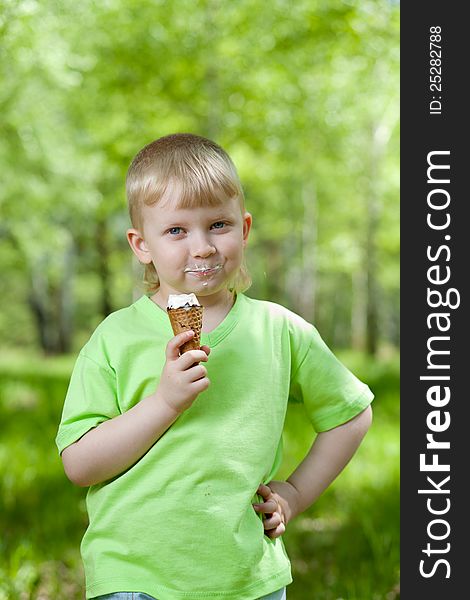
{"x": 210, "y": 288}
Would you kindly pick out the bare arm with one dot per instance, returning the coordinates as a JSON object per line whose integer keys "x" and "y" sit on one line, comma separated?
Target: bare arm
{"x": 330, "y": 453}
{"x": 117, "y": 444}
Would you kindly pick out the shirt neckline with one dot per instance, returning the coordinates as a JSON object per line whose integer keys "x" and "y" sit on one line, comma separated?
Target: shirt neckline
{"x": 210, "y": 339}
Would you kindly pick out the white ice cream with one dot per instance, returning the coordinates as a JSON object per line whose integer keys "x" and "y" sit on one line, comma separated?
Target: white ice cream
{"x": 182, "y": 300}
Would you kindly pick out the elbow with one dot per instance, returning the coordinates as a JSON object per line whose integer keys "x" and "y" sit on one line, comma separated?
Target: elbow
{"x": 72, "y": 468}
{"x": 365, "y": 419}
{"x": 359, "y": 425}
{"x": 76, "y": 477}
{"x": 78, "y": 480}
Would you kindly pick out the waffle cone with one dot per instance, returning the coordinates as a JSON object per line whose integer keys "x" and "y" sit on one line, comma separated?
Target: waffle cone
{"x": 184, "y": 319}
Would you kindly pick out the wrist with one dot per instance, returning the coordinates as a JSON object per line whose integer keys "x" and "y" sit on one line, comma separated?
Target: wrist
{"x": 161, "y": 403}
{"x": 287, "y": 497}
{"x": 293, "y": 501}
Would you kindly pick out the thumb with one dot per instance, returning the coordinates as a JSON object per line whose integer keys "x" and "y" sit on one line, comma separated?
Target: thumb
{"x": 264, "y": 491}
{"x": 173, "y": 346}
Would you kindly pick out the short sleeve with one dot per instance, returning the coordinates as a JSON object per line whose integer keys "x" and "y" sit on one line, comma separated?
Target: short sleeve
{"x": 90, "y": 400}
{"x": 331, "y": 394}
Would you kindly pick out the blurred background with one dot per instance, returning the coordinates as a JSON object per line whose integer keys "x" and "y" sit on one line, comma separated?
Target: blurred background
{"x": 304, "y": 97}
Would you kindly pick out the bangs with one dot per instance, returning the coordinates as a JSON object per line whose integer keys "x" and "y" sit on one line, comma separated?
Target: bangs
{"x": 188, "y": 192}
{"x": 186, "y": 170}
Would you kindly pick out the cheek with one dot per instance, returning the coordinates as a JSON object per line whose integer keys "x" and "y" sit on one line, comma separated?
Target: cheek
{"x": 233, "y": 248}
{"x": 166, "y": 255}
{"x": 234, "y": 241}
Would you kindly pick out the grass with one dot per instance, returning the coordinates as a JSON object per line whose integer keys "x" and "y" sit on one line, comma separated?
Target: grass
{"x": 345, "y": 547}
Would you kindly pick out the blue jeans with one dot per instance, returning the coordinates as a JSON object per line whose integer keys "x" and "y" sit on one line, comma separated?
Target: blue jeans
{"x": 279, "y": 595}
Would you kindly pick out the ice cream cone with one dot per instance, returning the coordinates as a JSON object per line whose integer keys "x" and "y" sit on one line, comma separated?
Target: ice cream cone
{"x": 185, "y": 313}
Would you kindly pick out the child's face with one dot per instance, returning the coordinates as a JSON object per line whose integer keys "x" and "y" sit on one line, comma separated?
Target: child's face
{"x": 194, "y": 250}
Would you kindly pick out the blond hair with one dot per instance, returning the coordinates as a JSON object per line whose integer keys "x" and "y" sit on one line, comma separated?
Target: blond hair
{"x": 194, "y": 168}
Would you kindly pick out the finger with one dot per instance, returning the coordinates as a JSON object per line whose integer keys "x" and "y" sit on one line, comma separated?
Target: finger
{"x": 206, "y": 349}
{"x": 195, "y": 373}
{"x": 275, "y": 533}
{"x": 264, "y": 490}
{"x": 272, "y": 522}
{"x": 173, "y": 346}
{"x": 266, "y": 507}
{"x": 190, "y": 358}
{"x": 200, "y": 385}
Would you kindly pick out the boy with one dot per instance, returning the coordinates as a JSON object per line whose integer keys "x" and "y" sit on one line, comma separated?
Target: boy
{"x": 174, "y": 451}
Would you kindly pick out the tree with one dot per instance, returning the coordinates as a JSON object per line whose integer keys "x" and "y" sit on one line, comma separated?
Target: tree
{"x": 304, "y": 98}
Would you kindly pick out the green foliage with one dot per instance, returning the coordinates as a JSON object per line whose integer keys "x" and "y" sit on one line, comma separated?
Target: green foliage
{"x": 303, "y": 95}
{"x": 345, "y": 546}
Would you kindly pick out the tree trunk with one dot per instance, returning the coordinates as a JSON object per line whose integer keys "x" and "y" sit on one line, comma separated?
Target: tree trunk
{"x": 104, "y": 253}
{"x": 358, "y": 311}
{"x": 372, "y": 304}
{"x": 300, "y": 286}
{"x": 302, "y": 278}
{"x": 275, "y": 271}
{"x": 380, "y": 136}
{"x": 381, "y": 131}
{"x": 309, "y": 243}
{"x": 66, "y": 300}
{"x": 40, "y": 303}
{"x": 212, "y": 85}
{"x": 51, "y": 302}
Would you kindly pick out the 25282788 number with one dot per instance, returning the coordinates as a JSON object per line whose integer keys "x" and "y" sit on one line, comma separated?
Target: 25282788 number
{"x": 435, "y": 72}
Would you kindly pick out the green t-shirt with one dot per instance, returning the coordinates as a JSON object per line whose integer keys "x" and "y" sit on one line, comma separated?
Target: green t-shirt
{"x": 179, "y": 524}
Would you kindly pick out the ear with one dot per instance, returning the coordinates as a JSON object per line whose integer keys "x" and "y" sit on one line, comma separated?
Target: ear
{"x": 138, "y": 246}
{"x": 247, "y": 221}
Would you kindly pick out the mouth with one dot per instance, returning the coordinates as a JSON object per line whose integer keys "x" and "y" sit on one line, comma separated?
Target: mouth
{"x": 203, "y": 270}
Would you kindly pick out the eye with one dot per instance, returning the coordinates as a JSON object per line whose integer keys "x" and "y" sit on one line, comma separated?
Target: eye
{"x": 218, "y": 225}
{"x": 174, "y": 230}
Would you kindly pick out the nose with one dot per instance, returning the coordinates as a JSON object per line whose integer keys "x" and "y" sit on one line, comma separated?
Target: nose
{"x": 201, "y": 247}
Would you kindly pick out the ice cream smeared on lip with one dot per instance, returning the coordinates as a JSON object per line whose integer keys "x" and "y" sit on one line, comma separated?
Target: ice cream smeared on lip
{"x": 203, "y": 270}
{"x": 182, "y": 301}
